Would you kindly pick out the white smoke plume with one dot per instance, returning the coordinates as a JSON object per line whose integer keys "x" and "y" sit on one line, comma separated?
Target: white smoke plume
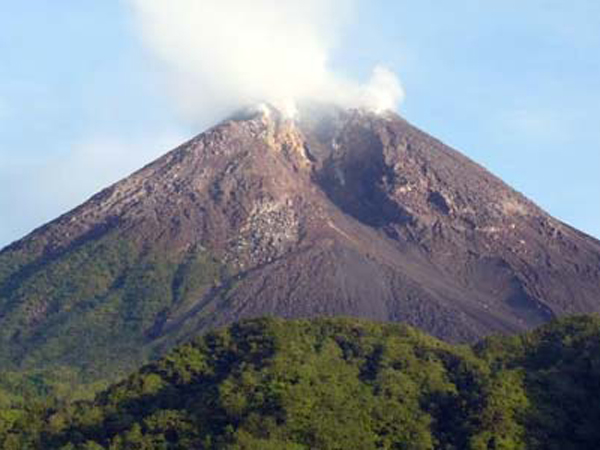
{"x": 227, "y": 54}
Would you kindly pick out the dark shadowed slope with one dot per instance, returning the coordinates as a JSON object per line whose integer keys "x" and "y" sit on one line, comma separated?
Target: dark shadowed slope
{"x": 339, "y": 213}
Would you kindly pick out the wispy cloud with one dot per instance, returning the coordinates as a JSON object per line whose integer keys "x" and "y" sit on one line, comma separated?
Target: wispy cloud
{"x": 4, "y": 109}
{"x": 539, "y": 125}
{"x": 226, "y": 54}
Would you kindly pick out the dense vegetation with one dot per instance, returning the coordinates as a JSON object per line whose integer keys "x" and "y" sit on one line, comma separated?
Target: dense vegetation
{"x": 96, "y": 307}
{"x": 338, "y": 384}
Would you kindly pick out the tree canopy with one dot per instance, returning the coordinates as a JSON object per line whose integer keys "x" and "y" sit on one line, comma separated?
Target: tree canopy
{"x": 336, "y": 384}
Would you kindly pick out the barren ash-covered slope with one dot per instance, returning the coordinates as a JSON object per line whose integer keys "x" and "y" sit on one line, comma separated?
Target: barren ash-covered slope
{"x": 336, "y": 213}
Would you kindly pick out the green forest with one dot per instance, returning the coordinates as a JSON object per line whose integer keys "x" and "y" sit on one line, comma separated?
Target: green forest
{"x": 325, "y": 384}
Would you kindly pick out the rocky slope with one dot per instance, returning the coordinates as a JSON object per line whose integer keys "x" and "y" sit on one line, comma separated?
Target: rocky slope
{"x": 335, "y": 213}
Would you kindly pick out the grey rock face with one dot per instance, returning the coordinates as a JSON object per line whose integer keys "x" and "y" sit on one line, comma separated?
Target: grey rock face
{"x": 335, "y": 213}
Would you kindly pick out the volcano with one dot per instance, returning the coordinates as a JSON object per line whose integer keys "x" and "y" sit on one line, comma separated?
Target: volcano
{"x": 334, "y": 213}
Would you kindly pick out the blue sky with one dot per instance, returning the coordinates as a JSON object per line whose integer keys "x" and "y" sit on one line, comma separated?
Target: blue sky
{"x": 514, "y": 85}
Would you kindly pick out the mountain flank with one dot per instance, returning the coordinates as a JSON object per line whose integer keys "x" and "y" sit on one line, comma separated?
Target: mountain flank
{"x": 337, "y": 212}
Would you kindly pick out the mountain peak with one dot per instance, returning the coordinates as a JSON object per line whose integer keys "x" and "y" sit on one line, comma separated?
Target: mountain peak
{"x": 331, "y": 212}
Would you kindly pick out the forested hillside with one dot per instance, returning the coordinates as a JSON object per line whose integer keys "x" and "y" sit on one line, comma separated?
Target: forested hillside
{"x": 338, "y": 384}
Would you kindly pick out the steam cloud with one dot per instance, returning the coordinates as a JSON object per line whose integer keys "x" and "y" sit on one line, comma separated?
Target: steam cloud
{"x": 227, "y": 54}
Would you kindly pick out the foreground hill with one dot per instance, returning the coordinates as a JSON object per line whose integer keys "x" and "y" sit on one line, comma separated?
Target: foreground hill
{"x": 335, "y": 213}
{"x": 341, "y": 384}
